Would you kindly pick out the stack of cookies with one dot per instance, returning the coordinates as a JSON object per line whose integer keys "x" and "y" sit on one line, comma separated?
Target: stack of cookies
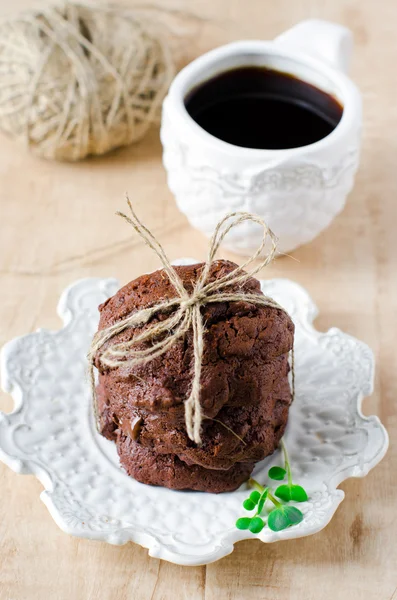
{"x": 245, "y": 393}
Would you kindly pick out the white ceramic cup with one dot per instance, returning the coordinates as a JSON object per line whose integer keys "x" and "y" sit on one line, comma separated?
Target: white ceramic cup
{"x": 297, "y": 191}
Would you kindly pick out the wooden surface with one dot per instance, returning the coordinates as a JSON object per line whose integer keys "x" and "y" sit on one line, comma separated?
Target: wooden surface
{"x": 57, "y": 225}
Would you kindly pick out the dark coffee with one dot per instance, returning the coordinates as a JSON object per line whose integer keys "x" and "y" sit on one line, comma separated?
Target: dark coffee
{"x": 256, "y": 107}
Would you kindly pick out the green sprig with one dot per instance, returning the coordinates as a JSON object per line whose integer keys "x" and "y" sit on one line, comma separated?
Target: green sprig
{"x": 256, "y": 499}
{"x": 280, "y": 516}
{"x": 289, "y": 491}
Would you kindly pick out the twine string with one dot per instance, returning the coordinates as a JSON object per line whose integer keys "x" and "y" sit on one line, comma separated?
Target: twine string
{"x": 89, "y": 78}
{"x": 185, "y": 312}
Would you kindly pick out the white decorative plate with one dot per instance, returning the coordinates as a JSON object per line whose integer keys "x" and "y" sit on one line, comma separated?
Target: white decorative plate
{"x": 51, "y": 434}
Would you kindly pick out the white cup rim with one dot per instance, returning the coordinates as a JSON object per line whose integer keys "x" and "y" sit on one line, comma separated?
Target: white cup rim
{"x": 184, "y": 81}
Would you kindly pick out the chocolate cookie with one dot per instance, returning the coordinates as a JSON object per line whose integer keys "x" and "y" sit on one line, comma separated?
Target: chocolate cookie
{"x": 169, "y": 471}
{"x": 250, "y": 382}
{"x": 237, "y": 434}
{"x": 244, "y": 394}
{"x": 235, "y": 332}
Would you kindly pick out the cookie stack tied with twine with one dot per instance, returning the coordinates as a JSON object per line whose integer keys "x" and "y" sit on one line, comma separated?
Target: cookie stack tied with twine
{"x": 193, "y": 368}
{"x": 79, "y": 80}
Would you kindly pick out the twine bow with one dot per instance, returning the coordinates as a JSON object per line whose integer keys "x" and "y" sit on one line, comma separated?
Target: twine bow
{"x": 186, "y": 313}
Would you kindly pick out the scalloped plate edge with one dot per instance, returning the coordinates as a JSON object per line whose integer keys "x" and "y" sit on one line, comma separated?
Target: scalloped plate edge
{"x": 124, "y": 535}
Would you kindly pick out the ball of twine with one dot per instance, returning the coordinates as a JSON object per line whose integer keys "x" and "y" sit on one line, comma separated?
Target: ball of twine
{"x": 79, "y": 80}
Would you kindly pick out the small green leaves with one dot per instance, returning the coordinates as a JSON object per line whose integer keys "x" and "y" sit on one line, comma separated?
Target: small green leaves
{"x": 256, "y": 499}
{"x": 298, "y": 494}
{"x": 248, "y": 504}
{"x": 243, "y": 523}
{"x": 262, "y": 501}
{"x": 277, "y": 473}
{"x": 255, "y": 496}
{"x": 283, "y": 517}
{"x": 256, "y": 525}
{"x": 291, "y": 492}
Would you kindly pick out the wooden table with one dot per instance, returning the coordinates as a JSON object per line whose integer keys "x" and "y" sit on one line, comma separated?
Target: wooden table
{"x": 57, "y": 225}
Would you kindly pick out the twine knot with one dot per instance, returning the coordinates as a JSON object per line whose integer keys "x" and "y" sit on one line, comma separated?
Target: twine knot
{"x": 189, "y": 302}
{"x": 185, "y": 312}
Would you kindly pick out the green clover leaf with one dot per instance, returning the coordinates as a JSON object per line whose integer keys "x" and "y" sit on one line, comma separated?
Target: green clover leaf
{"x": 243, "y": 523}
{"x": 277, "y": 473}
{"x": 248, "y": 504}
{"x": 256, "y": 525}
{"x": 255, "y": 496}
{"x": 288, "y": 492}
{"x": 262, "y": 501}
{"x": 283, "y": 517}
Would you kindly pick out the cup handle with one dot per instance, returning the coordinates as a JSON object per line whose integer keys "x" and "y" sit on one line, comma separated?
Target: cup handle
{"x": 328, "y": 41}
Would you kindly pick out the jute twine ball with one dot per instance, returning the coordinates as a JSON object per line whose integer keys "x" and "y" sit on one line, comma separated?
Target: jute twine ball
{"x": 78, "y": 80}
